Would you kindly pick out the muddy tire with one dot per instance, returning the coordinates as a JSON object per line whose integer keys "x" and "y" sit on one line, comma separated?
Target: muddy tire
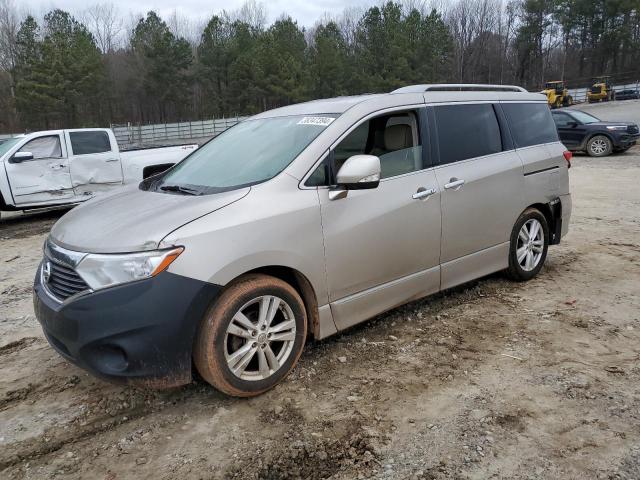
{"x": 252, "y": 336}
{"x": 529, "y": 244}
{"x": 599, "y": 146}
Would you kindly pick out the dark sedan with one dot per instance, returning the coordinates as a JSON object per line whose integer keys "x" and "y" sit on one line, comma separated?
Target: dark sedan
{"x": 581, "y": 131}
{"x": 628, "y": 95}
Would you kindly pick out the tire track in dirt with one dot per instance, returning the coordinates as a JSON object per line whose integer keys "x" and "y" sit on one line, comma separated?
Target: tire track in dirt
{"x": 17, "y": 345}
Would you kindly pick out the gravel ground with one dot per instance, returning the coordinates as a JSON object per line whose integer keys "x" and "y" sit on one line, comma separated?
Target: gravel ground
{"x": 495, "y": 379}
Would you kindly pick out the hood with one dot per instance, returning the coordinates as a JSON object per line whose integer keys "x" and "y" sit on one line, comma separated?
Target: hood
{"x": 131, "y": 219}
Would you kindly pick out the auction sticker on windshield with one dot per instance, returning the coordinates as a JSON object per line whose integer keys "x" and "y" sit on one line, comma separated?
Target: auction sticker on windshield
{"x": 319, "y": 121}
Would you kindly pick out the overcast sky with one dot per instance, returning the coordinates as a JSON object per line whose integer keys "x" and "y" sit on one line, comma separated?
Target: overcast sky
{"x": 304, "y": 11}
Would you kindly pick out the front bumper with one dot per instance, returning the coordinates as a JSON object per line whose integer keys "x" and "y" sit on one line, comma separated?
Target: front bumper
{"x": 139, "y": 333}
{"x": 624, "y": 139}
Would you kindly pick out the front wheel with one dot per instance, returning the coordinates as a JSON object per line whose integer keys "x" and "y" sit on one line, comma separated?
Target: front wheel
{"x": 529, "y": 244}
{"x": 252, "y": 337}
{"x": 599, "y": 146}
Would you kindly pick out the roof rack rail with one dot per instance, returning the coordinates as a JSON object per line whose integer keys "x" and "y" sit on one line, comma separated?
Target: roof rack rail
{"x": 459, "y": 87}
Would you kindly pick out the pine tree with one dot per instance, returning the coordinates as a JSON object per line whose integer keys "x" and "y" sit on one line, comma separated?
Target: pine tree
{"x": 329, "y": 62}
{"x": 163, "y": 62}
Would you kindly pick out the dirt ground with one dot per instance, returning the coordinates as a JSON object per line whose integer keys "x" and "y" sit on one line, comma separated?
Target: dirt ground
{"x": 539, "y": 380}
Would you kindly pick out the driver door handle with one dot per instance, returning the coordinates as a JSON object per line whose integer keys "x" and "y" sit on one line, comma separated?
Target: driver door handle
{"x": 112, "y": 159}
{"x": 423, "y": 193}
{"x": 454, "y": 183}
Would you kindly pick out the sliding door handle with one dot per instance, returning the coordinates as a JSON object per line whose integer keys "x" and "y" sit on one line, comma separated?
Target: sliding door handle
{"x": 454, "y": 183}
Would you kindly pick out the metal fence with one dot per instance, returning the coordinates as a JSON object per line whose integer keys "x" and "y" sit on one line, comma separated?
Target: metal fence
{"x": 580, "y": 94}
{"x": 5, "y": 136}
{"x": 129, "y": 135}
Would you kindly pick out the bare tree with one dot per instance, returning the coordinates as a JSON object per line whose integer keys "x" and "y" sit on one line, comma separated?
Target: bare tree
{"x": 106, "y": 25}
{"x": 419, "y": 5}
{"x": 184, "y": 27}
{"x": 9, "y": 25}
{"x": 348, "y": 23}
{"x": 252, "y": 13}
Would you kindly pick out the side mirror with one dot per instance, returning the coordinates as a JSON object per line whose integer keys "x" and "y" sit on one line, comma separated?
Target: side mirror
{"x": 359, "y": 172}
{"x": 20, "y": 157}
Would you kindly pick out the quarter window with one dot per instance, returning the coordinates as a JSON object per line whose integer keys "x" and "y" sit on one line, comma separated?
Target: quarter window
{"x": 44, "y": 147}
{"x": 84, "y": 143}
{"x": 467, "y": 131}
{"x": 530, "y": 123}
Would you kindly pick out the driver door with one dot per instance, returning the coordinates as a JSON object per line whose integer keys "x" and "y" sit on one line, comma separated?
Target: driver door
{"x": 382, "y": 245}
{"x": 43, "y": 179}
{"x": 570, "y": 131}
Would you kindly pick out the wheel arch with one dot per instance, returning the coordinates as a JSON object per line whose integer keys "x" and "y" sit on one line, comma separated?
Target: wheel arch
{"x": 553, "y": 214}
{"x": 301, "y": 284}
{"x": 595, "y": 134}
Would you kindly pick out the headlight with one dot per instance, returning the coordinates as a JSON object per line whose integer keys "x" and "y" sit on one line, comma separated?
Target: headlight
{"x": 102, "y": 271}
{"x": 616, "y": 127}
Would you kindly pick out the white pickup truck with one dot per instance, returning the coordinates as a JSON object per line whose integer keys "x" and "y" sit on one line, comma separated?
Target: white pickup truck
{"x": 64, "y": 167}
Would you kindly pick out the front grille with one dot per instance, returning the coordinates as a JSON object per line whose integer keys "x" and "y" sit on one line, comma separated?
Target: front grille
{"x": 633, "y": 129}
{"x": 64, "y": 282}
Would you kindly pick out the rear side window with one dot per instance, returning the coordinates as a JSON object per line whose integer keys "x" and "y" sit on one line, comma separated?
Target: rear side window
{"x": 530, "y": 123}
{"x": 467, "y": 131}
{"x": 84, "y": 143}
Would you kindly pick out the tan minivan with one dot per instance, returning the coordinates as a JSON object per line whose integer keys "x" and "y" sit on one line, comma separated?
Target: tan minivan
{"x": 301, "y": 222}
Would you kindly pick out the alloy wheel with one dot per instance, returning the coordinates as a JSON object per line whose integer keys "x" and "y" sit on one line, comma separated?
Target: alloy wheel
{"x": 598, "y": 146}
{"x": 260, "y": 338}
{"x": 530, "y": 246}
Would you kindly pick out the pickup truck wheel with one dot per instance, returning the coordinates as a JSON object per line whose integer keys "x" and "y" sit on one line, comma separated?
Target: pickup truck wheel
{"x": 529, "y": 244}
{"x": 252, "y": 336}
{"x": 599, "y": 146}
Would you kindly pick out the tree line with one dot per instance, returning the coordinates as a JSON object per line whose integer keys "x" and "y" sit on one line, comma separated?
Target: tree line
{"x": 91, "y": 69}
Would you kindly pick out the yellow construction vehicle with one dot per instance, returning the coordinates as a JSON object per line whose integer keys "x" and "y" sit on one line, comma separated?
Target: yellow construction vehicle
{"x": 601, "y": 90}
{"x": 557, "y": 94}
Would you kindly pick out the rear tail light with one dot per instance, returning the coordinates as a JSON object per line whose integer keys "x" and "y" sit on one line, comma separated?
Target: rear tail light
{"x": 568, "y": 156}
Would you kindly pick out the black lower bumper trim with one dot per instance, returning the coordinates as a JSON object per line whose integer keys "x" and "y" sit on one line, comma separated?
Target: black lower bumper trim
{"x": 139, "y": 333}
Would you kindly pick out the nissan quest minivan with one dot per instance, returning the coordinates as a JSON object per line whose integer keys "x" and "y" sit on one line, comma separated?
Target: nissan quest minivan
{"x": 298, "y": 223}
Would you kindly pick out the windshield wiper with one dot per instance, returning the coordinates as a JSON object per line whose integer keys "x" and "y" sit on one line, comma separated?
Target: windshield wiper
{"x": 181, "y": 189}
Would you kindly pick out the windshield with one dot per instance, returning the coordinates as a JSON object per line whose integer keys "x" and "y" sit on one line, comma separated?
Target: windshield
{"x": 251, "y": 152}
{"x": 583, "y": 117}
{"x": 6, "y": 145}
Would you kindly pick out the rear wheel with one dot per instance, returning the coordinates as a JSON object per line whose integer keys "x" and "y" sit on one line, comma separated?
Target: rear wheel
{"x": 529, "y": 244}
{"x": 599, "y": 146}
{"x": 252, "y": 336}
